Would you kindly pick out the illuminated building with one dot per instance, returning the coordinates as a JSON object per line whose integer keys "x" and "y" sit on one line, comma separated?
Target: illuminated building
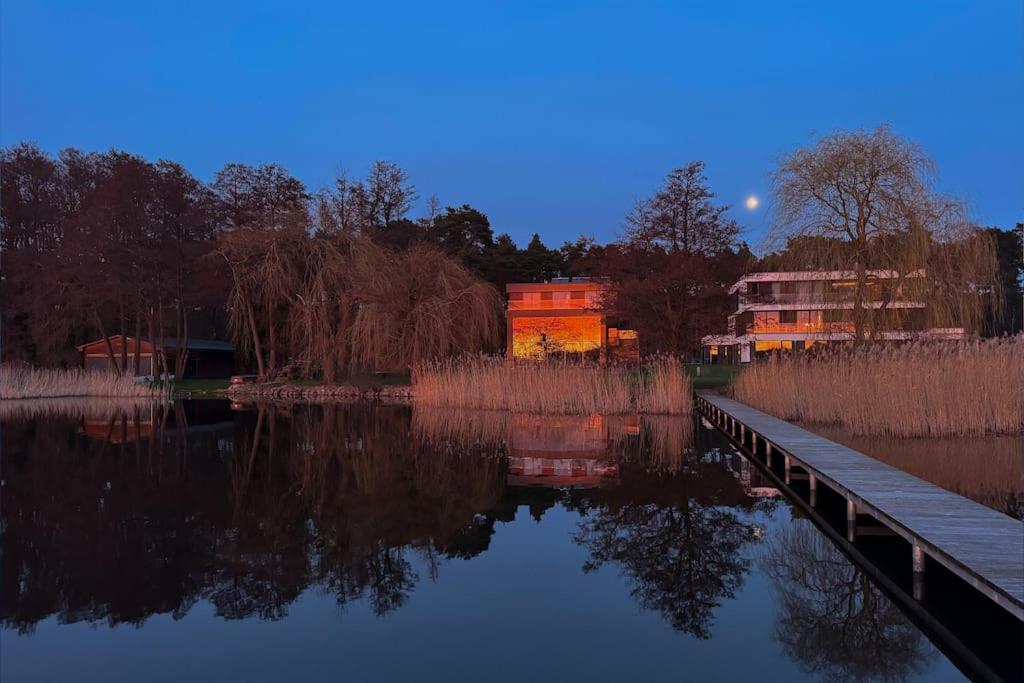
{"x": 791, "y": 312}
{"x": 564, "y": 319}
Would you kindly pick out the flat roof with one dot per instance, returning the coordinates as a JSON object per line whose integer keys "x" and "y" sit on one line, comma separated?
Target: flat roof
{"x": 170, "y": 343}
{"x": 576, "y": 285}
{"x": 818, "y": 275}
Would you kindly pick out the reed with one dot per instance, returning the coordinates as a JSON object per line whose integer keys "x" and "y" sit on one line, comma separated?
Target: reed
{"x": 554, "y": 387}
{"x": 19, "y": 381}
{"x": 75, "y": 408}
{"x": 969, "y": 388}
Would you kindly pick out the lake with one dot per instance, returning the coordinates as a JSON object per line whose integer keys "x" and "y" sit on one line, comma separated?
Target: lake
{"x": 209, "y": 541}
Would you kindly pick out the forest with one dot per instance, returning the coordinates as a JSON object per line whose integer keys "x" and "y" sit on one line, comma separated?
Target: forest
{"x": 321, "y": 283}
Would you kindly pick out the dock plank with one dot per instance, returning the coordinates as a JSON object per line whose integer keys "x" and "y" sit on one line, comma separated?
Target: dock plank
{"x": 979, "y": 544}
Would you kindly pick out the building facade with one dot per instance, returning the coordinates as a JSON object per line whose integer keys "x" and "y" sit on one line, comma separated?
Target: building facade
{"x": 795, "y": 311}
{"x": 564, "y": 319}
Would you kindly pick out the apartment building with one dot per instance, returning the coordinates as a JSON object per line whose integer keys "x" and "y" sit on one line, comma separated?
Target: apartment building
{"x": 795, "y": 311}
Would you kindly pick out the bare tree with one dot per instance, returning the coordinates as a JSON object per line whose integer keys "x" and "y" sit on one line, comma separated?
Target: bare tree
{"x": 389, "y": 194}
{"x": 681, "y": 216}
{"x": 864, "y": 201}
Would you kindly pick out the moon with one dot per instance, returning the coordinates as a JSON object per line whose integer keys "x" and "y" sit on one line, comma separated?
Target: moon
{"x": 752, "y": 202}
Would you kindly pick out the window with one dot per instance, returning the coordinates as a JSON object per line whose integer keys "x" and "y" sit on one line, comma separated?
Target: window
{"x": 765, "y": 346}
{"x": 545, "y": 296}
{"x": 766, "y": 320}
{"x": 752, "y": 288}
{"x": 560, "y": 296}
{"x": 515, "y": 296}
{"x": 578, "y": 296}
{"x": 788, "y": 316}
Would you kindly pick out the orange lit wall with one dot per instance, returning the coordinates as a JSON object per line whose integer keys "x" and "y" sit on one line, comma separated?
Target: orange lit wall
{"x": 531, "y": 337}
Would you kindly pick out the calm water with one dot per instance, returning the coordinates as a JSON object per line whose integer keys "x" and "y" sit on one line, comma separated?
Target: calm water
{"x": 371, "y": 543}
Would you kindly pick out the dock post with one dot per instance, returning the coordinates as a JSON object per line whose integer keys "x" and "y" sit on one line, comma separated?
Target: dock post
{"x": 786, "y": 464}
{"x": 812, "y": 481}
{"x": 851, "y": 520}
{"x": 743, "y": 434}
{"x": 753, "y": 442}
{"x": 768, "y": 454}
{"x": 918, "y": 555}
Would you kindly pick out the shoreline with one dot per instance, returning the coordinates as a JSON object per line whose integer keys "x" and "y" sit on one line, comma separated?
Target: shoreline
{"x": 338, "y": 392}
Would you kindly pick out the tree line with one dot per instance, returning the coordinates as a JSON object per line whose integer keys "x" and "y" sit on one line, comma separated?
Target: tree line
{"x": 318, "y": 283}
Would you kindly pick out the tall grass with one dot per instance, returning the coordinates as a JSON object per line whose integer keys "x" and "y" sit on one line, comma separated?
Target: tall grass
{"x": 23, "y": 381}
{"x": 927, "y": 389}
{"x": 554, "y": 387}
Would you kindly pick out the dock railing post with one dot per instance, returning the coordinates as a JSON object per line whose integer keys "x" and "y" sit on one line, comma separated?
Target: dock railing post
{"x": 851, "y": 520}
{"x": 768, "y": 454}
{"x": 786, "y": 465}
{"x": 917, "y": 552}
{"x": 812, "y": 481}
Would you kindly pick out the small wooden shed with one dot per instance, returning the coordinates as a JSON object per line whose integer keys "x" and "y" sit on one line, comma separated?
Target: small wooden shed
{"x": 206, "y": 359}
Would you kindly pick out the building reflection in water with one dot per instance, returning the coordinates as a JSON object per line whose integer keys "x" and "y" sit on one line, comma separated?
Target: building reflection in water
{"x": 563, "y": 450}
{"x": 143, "y": 510}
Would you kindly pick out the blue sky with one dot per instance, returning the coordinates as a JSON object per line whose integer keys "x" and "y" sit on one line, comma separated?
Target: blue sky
{"x": 549, "y": 117}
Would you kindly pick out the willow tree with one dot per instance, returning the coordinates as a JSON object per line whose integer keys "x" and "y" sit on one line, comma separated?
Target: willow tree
{"x": 865, "y": 202}
{"x": 418, "y": 305}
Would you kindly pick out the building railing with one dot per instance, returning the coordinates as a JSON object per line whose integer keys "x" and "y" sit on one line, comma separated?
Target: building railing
{"x": 841, "y": 326}
{"x": 552, "y": 305}
{"x": 811, "y": 298}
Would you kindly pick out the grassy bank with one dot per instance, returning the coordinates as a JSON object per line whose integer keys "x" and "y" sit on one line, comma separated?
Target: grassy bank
{"x": 938, "y": 389}
{"x": 23, "y": 382}
{"x": 712, "y": 376}
{"x": 660, "y": 387}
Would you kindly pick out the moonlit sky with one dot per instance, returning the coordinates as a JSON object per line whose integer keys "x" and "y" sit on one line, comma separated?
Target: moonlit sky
{"x": 552, "y": 119}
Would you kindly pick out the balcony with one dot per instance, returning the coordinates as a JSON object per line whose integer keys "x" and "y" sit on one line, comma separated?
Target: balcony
{"x": 554, "y": 305}
{"x": 793, "y": 328}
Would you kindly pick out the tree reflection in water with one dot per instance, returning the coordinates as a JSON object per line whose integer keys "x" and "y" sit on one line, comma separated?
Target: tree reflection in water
{"x": 246, "y": 513}
{"x": 832, "y": 620}
{"x": 674, "y": 529}
{"x": 147, "y": 511}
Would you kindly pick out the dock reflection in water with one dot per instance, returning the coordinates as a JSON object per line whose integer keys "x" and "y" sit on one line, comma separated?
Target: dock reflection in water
{"x": 451, "y": 524}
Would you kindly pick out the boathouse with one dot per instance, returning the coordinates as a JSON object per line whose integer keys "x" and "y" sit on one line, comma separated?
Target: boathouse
{"x": 205, "y": 359}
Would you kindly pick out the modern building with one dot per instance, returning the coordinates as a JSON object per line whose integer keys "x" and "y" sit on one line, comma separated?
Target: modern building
{"x": 795, "y": 311}
{"x": 564, "y": 318}
{"x": 206, "y": 358}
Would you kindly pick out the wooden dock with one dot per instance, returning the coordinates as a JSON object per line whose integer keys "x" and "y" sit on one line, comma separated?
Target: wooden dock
{"x": 983, "y": 547}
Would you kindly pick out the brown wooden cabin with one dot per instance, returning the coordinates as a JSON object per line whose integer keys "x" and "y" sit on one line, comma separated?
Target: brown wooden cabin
{"x": 207, "y": 358}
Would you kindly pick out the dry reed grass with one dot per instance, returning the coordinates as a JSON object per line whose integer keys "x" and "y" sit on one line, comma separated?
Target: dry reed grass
{"x": 553, "y": 387}
{"x": 74, "y": 408}
{"x": 924, "y": 389}
{"x": 23, "y": 381}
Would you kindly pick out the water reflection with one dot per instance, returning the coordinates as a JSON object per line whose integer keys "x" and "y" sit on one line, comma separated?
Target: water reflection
{"x": 118, "y": 514}
{"x": 988, "y": 470}
{"x": 832, "y": 619}
{"x": 677, "y": 537}
{"x": 246, "y": 515}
